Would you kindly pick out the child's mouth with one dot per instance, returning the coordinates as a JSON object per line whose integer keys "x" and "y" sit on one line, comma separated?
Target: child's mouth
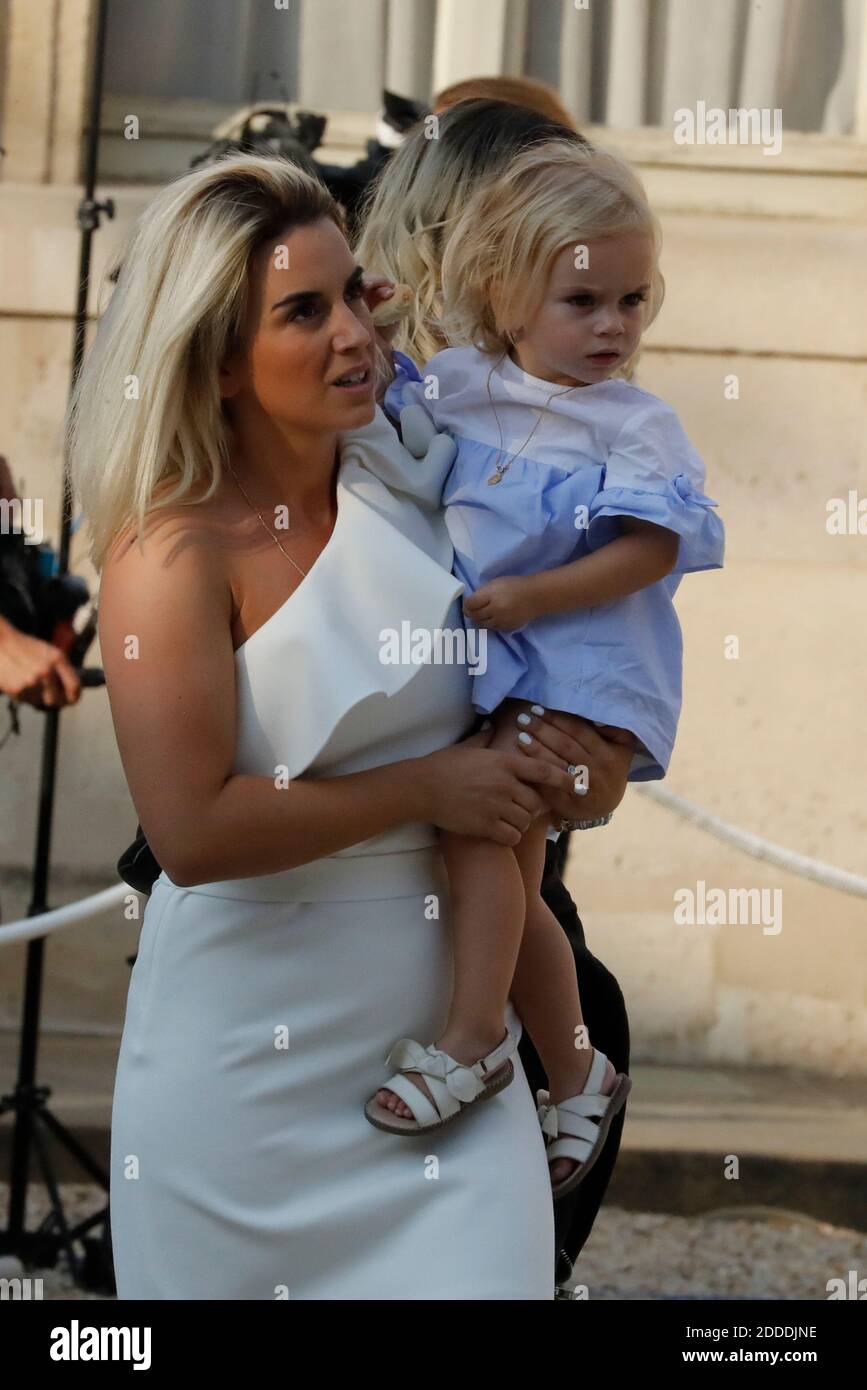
{"x": 604, "y": 359}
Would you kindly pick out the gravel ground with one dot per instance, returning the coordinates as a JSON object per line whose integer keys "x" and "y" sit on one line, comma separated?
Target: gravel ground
{"x": 634, "y": 1255}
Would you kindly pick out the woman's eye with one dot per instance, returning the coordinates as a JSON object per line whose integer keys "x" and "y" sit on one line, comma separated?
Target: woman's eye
{"x": 304, "y": 311}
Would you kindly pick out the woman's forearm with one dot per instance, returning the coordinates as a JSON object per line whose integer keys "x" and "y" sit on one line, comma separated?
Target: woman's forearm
{"x": 253, "y": 826}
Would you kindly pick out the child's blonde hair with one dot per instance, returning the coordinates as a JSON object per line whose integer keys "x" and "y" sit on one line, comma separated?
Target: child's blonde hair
{"x": 423, "y": 189}
{"x": 178, "y": 309}
{"x": 498, "y": 258}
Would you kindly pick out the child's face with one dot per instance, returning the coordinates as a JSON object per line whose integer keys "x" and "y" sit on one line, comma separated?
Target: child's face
{"x": 592, "y": 316}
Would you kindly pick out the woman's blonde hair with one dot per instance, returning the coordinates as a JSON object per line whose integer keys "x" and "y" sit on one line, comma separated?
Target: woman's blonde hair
{"x": 146, "y": 407}
{"x": 496, "y": 265}
{"x": 421, "y": 193}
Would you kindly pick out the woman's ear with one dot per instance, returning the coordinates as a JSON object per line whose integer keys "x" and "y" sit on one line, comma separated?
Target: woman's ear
{"x": 230, "y": 376}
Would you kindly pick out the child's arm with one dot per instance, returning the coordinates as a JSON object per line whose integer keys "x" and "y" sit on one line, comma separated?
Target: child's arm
{"x": 631, "y": 562}
{"x": 644, "y": 555}
{"x": 651, "y": 500}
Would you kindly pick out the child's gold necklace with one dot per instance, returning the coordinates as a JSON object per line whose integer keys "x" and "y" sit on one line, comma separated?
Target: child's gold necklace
{"x": 502, "y": 468}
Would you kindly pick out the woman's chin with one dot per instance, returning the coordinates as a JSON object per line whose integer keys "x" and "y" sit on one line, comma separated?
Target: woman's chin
{"x": 356, "y": 413}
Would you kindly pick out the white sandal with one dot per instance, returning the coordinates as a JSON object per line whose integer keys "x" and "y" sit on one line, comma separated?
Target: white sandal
{"x": 569, "y": 1130}
{"x": 454, "y": 1086}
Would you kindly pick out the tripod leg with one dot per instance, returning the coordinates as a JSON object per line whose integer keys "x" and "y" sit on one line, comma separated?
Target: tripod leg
{"x": 69, "y": 1141}
{"x": 57, "y": 1213}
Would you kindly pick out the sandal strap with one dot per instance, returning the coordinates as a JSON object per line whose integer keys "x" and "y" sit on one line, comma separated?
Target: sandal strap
{"x": 422, "y": 1109}
{"x": 460, "y": 1082}
{"x": 450, "y": 1083}
{"x": 576, "y": 1148}
{"x": 572, "y": 1116}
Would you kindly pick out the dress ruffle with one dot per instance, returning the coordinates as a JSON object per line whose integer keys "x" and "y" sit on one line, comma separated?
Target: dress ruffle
{"x": 388, "y": 563}
{"x": 678, "y": 506}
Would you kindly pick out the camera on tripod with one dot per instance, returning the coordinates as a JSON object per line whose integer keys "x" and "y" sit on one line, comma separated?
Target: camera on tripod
{"x": 41, "y": 602}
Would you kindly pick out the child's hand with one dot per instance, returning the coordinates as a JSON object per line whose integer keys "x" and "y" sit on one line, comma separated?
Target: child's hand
{"x": 505, "y": 604}
{"x": 421, "y": 437}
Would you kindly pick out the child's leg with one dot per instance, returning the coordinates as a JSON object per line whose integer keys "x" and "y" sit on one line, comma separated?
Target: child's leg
{"x": 487, "y": 916}
{"x": 545, "y": 989}
{"x": 545, "y": 992}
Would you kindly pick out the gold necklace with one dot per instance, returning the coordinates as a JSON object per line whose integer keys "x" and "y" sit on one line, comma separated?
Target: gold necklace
{"x": 265, "y": 524}
{"x": 502, "y": 468}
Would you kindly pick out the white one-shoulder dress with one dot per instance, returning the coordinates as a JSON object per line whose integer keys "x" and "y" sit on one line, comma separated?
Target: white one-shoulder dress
{"x": 261, "y": 1010}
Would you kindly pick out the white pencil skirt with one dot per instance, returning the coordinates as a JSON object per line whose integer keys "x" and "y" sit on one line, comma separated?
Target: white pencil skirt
{"x": 242, "y": 1165}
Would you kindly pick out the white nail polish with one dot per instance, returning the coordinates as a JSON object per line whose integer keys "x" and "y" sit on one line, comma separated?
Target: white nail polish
{"x": 580, "y": 789}
{"x": 537, "y": 709}
{"x": 524, "y": 719}
{"x": 487, "y": 725}
{"x": 525, "y": 738}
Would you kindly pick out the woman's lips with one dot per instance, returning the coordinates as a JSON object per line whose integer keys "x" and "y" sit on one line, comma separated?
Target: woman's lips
{"x": 361, "y": 387}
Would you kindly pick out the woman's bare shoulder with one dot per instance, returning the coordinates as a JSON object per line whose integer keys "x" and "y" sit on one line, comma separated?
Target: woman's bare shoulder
{"x": 173, "y": 556}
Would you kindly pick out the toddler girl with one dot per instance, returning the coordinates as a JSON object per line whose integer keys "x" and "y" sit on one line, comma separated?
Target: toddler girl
{"x": 574, "y": 504}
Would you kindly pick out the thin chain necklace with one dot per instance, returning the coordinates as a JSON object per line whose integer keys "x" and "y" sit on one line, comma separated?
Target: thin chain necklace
{"x": 502, "y": 468}
{"x": 265, "y": 524}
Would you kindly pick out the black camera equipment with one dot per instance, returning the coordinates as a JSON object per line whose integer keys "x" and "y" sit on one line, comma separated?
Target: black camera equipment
{"x": 296, "y": 135}
{"x": 48, "y": 596}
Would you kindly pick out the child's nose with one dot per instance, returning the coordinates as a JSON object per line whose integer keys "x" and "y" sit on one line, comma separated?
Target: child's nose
{"x": 609, "y": 321}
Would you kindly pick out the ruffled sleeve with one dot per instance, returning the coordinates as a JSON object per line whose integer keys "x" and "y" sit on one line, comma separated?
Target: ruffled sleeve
{"x": 654, "y": 474}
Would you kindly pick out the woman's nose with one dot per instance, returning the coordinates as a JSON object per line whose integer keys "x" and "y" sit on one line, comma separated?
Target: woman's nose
{"x": 349, "y": 331}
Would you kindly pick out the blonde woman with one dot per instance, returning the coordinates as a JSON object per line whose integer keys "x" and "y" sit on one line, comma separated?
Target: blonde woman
{"x": 575, "y": 504}
{"x": 290, "y": 782}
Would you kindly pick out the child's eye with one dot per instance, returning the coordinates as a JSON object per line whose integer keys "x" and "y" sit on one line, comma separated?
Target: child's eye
{"x": 638, "y": 297}
{"x": 355, "y": 291}
{"x": 583, "y": 300}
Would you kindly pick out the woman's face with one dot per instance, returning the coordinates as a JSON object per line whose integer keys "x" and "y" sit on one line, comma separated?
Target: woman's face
{"x": 592, "y": 316}
{"x": 308, "y": 357}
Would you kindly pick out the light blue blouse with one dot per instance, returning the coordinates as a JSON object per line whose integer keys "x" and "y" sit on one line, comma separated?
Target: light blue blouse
{"x": 597, "y": 453}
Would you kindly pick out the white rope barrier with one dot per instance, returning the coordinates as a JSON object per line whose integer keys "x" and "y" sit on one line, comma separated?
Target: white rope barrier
{"x": 826, "y": 874}
{"x": 28, "y": 928}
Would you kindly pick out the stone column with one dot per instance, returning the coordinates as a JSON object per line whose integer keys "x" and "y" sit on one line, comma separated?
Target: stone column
{"x": 480, "y": 39}
{"x": 47, "y": 74}
{"x": 409, "y": 58}
{"x": 342, "y": 54}
{"x": 576, "y": 54}
{"x": 627, "y": 64}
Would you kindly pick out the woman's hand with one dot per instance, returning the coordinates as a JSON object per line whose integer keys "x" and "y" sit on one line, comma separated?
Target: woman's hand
{"x": 505, "y": 604}
{"x": 473, "y": 790}
{"x": 560, "y": 740}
